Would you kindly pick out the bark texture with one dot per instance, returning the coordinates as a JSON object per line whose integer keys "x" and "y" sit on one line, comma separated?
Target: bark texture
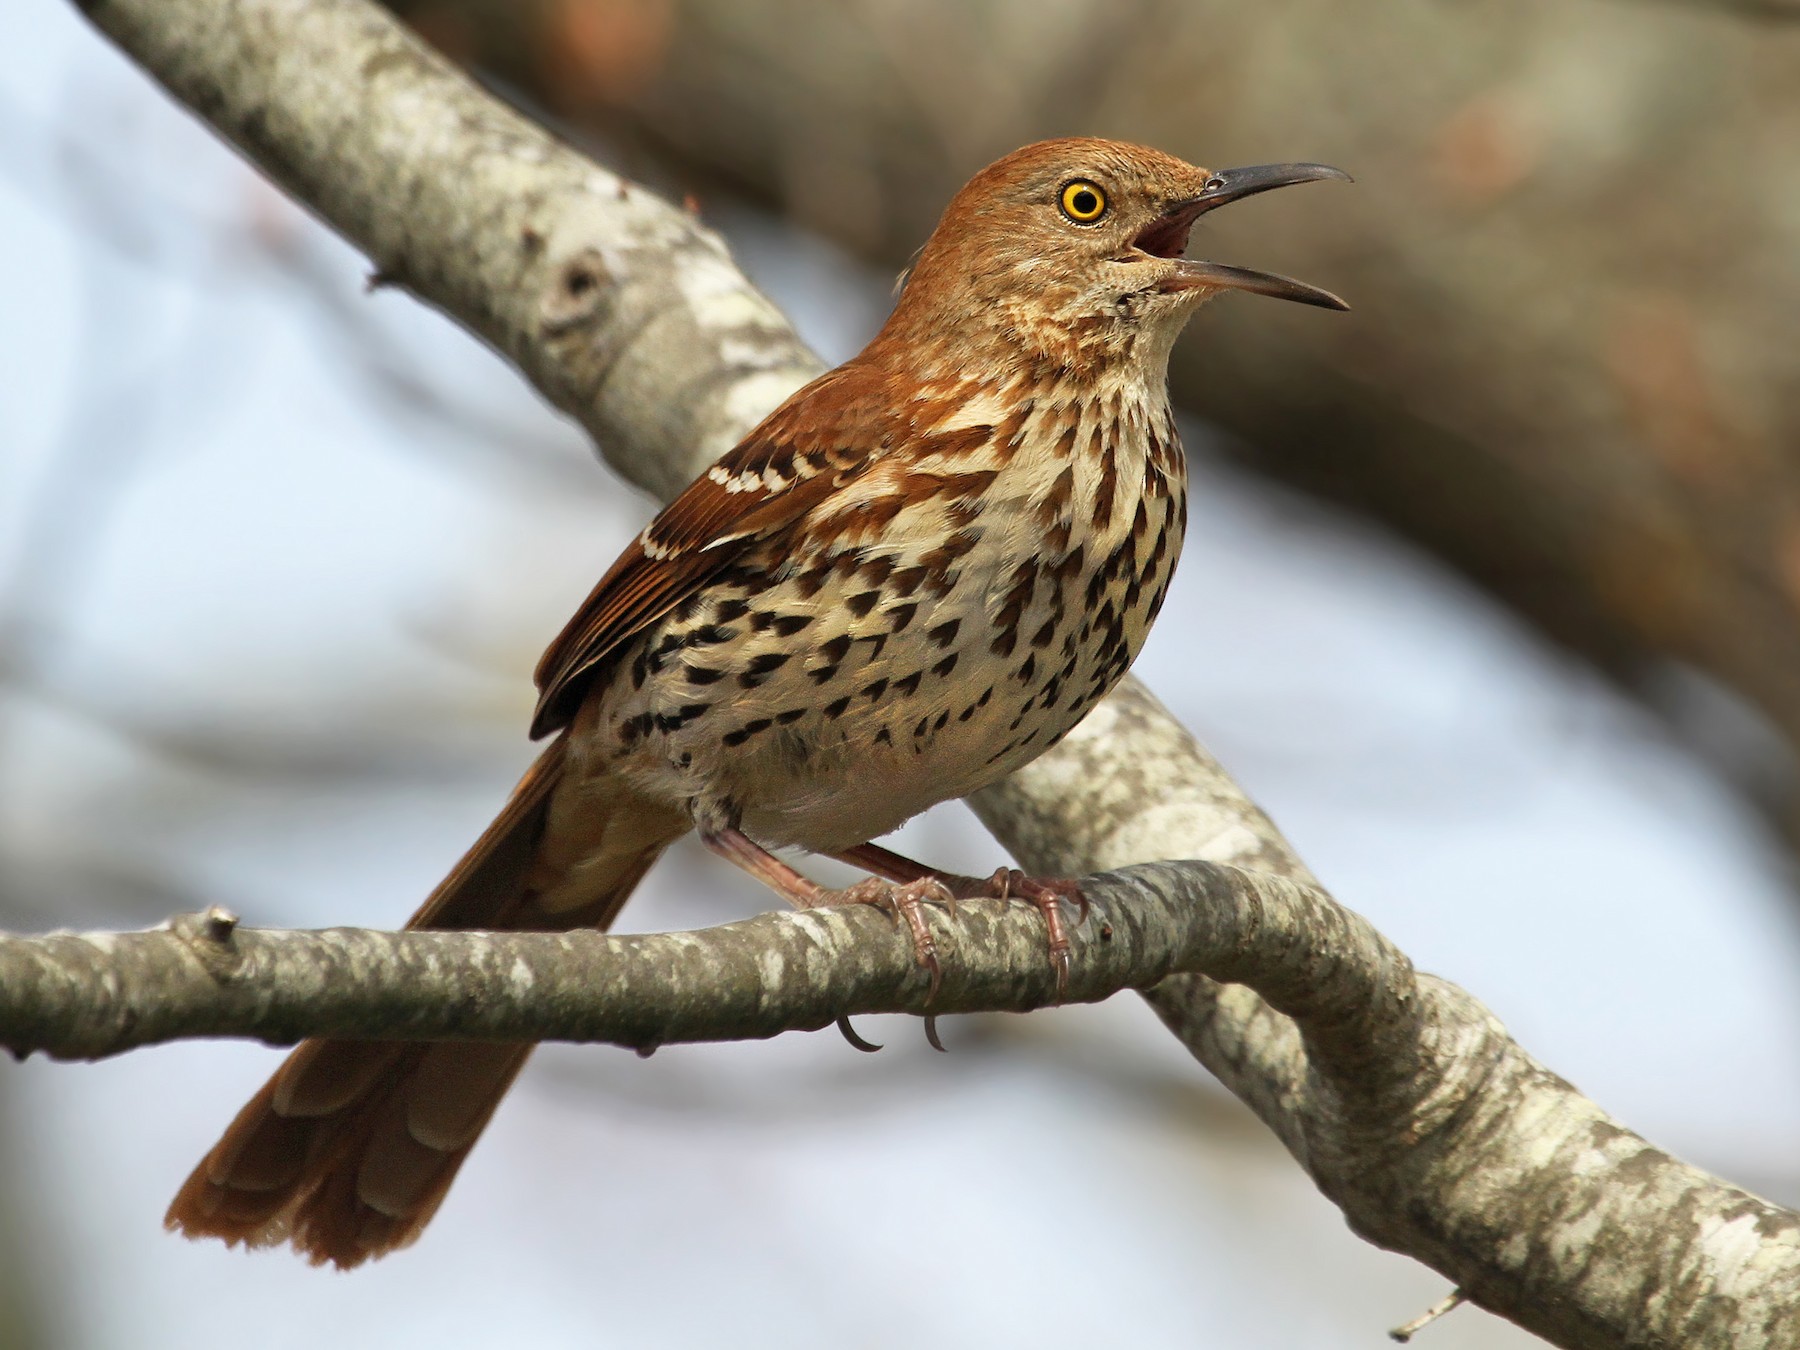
{"x": 1407, "y": 1103}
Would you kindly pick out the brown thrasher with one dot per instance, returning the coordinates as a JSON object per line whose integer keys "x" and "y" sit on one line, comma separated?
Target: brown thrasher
{"x": 914, "y": 577}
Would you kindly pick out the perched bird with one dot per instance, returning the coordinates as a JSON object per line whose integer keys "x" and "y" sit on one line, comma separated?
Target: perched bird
{"x": 912, "y": 578}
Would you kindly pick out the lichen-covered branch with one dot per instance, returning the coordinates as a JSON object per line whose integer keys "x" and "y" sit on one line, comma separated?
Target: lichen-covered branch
{"x": 1405, "y": 1101}
{"x": 87, "y": 995}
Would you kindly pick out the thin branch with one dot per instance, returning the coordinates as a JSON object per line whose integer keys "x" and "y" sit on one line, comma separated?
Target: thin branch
{"x": 1404, "y": 1099}
{"x": 89, "y": 995}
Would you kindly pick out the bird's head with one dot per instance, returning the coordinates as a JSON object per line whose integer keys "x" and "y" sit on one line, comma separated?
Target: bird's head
{"x": 1074, "y": 248}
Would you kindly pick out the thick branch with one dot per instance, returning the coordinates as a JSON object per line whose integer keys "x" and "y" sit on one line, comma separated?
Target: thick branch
{"x": 1405, "y": 1101}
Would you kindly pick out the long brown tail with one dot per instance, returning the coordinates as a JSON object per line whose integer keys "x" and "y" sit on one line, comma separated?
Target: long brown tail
{"x": 348, "y": 1150}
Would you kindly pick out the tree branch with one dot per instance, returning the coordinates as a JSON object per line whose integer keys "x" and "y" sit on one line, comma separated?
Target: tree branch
{"x": 85, "y": 996}
{"x": 1403, "y": 1098}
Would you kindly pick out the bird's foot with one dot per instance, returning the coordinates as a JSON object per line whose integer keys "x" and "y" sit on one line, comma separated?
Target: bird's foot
{"x": 1047, "y": 895}
{"x": 906, "y": 903}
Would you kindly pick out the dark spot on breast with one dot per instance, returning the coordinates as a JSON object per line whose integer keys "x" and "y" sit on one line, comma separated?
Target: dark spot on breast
{"x": 760, "y": 668}
{"x": 901, "y": 615}
{"x": 702, "y": 674}
{"x": 789, "y": 624}
{"x": 874, "y": 689}
{"x": 1028, "y": 670}
{"x": 910, "y": 684}
{"x": 906, "y": 580}
{"x": 745, "y": 732}
{"x": 1109, "y": 481}
{"x": 945, "y": 666}
{"x": 1045, "y": 635}
{"x": 837, "y": 649}
{"x": 727, "y": 610}
{"x": 789, "y": 717}
{"x": 883, "y": 737}
{"x": 836, "y": 707}
{"x": 945, "y": 633}
{"x": 822, "y": 674}
{"x": 671, "y": 643}
{"x": 862, "y": 602}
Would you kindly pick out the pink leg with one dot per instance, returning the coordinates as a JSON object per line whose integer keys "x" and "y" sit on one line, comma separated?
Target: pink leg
{"x": 1045, "y": 894}
{"x": 905, "y": 901}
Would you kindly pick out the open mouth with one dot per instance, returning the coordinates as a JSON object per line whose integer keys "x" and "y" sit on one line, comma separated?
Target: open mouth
{"x": 1167, "y": 235}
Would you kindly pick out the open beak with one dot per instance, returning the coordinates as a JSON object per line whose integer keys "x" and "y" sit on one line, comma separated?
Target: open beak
{"x": 1167, "y": 235}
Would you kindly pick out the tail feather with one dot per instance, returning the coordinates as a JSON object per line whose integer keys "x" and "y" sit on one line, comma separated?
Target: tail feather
{"x": 349, "y": 1148}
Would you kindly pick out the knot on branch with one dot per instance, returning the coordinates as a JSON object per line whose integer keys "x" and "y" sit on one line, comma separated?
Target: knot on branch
{"x": 574, "y": 294}
{"x": 209, "y": 935}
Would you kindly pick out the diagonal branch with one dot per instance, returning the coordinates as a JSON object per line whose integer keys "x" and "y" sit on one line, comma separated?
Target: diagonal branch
{"x": 1404, "y": 1100}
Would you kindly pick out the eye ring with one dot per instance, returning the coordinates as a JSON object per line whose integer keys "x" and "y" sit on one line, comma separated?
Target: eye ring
{"x": 1082, "y": 201}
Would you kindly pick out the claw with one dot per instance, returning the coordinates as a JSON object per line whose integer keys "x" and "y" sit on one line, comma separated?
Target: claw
{"x": 1046, "y": 896}
{"x": 867, "y": 1047}
{"x": 931, "y": 1034}
{"x": 906, "y": 904}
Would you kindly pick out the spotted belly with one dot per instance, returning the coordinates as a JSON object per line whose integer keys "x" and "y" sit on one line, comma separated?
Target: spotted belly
{"x": 823, "y": 705}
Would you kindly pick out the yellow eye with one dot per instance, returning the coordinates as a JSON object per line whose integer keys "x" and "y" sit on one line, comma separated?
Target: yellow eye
{"x": 1083, "y": 202}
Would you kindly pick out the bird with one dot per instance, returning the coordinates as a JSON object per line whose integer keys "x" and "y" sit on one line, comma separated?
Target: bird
{"x": 913, "y": 577}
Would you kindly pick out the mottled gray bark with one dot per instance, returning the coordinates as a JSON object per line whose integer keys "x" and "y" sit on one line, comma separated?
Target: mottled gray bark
{"x": 1403, "y": 1098}
{"x": 624, "y": 312}
{"x": 84, "y": 996}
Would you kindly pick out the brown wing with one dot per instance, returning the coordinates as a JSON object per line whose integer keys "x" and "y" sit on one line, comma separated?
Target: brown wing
{"x": 818, "y": 440}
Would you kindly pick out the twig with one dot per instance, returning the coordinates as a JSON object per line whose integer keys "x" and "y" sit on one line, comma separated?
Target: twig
{"x": 1448, "y": 1304}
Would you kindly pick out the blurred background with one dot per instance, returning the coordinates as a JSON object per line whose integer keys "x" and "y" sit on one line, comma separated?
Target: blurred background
{"x": 1491, "y": 596}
